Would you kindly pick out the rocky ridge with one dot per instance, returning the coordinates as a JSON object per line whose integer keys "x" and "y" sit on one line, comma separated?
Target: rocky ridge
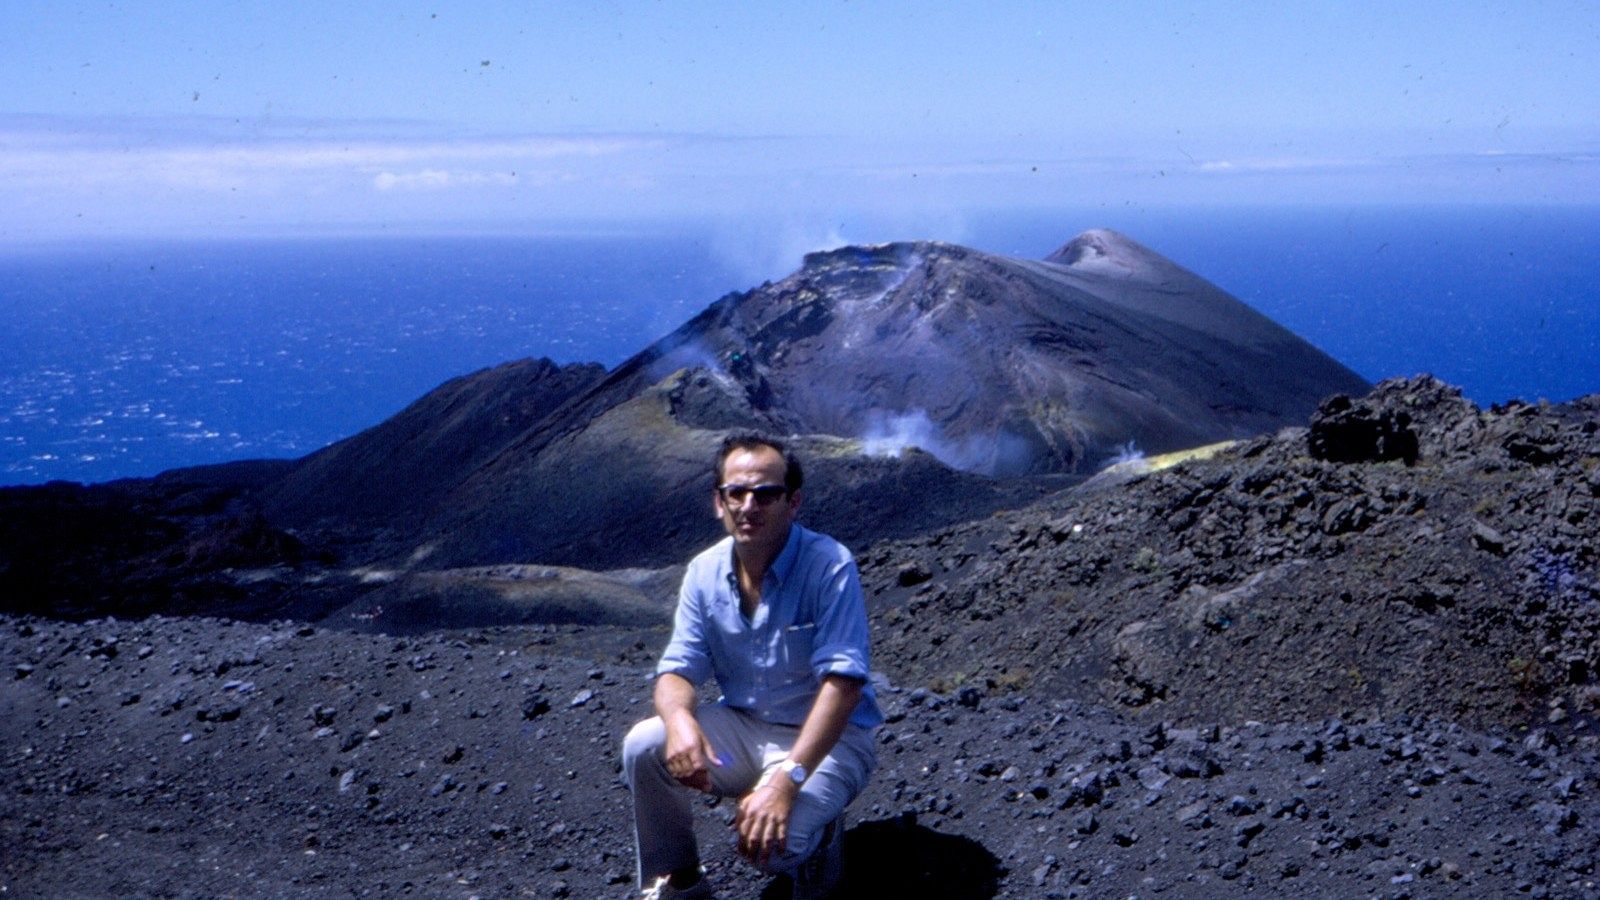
{"x": 1408, "y": 553}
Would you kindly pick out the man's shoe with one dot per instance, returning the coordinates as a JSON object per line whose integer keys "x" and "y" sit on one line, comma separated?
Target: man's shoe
{"x": 663, "y": 889}
{"x": 819, "y": 875}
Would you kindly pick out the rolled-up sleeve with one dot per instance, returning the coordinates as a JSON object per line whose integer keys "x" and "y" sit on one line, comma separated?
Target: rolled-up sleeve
{"x": 688, "y": 654}
{"x": 841, "y": 646}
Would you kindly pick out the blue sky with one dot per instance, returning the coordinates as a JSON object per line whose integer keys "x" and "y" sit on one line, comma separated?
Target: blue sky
{"x": 251, "y": 118}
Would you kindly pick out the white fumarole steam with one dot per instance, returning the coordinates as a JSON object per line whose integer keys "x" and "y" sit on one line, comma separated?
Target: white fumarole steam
{"x": 891, "y": 434}
{"x": 1002, "y": 454}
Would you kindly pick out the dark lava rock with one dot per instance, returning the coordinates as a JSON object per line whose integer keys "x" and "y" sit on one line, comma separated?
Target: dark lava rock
{"x": 534, "y": 706}
{"x": 163, "y": 545}
{"x": 1346, "y": 431}
{"x": 1262, "y": 583}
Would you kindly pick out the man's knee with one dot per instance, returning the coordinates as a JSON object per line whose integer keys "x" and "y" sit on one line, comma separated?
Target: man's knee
{"x": 797, "y": 848}
{"x": 643, "y": 744}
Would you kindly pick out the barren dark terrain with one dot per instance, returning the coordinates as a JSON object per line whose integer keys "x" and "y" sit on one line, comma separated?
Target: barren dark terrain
{"x": 1347, "y": 649}
{"x": 1351, "y": 659}
{"x": 196, "y": 757}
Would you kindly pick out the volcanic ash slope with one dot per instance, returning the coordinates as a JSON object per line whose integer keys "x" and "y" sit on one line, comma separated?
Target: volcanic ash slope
{"x": 925, "y": 383}
{"x": 994, "y": 366}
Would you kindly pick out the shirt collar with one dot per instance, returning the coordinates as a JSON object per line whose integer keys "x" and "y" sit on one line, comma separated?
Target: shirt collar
{"x": 781, "y": 566}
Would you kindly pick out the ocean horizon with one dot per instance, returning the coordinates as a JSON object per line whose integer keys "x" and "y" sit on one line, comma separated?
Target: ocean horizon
{"x": 127, "y": 358}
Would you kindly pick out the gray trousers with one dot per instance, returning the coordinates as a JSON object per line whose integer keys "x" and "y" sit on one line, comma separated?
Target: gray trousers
{"x": 663, "y": 827}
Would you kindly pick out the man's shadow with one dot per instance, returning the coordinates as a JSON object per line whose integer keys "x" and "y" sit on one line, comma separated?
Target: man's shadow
{"x": 899, "y": 858}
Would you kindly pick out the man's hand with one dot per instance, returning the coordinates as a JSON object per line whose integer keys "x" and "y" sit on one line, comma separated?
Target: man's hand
{"x": 762, "y": 819}
{"x": 688, "y": 754}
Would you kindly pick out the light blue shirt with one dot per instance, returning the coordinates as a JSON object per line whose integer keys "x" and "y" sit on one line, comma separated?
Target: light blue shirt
{"x": 811, "y": 622}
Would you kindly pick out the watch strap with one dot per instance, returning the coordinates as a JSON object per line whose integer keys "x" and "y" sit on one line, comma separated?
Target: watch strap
{"x": 788, "y": 769}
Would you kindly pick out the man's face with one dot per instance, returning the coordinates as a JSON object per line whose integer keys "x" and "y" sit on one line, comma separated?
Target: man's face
{"x": 753, "y": 525}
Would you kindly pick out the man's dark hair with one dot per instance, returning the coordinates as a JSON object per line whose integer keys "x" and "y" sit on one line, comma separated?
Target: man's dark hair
{"x": 793, "y": 477}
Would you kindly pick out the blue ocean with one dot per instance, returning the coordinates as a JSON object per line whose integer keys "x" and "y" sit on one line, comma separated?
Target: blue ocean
{"x": 129, "y": 358}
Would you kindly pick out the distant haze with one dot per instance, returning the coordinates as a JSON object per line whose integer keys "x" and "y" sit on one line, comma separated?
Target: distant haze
{"x": 172, "y": 120}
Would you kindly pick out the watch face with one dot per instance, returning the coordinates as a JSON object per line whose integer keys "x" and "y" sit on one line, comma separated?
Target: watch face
{"x": 797, "y": 774}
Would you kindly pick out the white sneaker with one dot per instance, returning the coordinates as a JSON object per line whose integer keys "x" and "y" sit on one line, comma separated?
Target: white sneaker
{"x": 819, "y": 875}
{"x": 663, "y": 889}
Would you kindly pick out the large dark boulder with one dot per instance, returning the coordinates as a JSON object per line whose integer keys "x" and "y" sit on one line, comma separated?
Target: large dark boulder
{"x": 1344, "y": 430}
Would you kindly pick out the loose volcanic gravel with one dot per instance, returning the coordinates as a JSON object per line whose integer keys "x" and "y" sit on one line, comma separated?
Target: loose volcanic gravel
{"x": 199, "y": 757}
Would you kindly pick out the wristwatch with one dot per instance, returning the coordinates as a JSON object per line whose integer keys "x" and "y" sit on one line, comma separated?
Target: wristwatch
{"x": 796, "y": 772}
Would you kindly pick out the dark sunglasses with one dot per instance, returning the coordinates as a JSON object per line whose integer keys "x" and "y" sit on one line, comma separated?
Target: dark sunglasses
{"x": 765, "y": 494}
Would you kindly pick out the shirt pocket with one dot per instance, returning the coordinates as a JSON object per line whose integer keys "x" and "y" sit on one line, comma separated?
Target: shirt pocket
{"x": 794, "y": 651}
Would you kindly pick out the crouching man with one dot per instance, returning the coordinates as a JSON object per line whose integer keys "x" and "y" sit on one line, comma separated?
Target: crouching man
{"x": 775, "y": 612}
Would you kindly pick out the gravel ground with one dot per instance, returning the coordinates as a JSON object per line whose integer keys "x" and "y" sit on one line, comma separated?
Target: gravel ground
{"x": 200, "y": 757}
